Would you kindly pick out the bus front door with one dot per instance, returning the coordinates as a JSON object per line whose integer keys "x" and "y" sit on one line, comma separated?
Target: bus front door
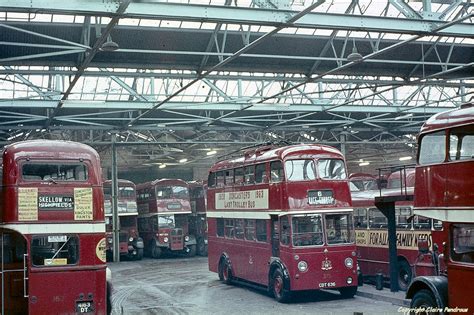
{"x": 14, "y": 298}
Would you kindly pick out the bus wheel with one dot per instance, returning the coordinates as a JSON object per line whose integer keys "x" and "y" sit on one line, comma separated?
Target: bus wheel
{"x": 348, "y": 292}
{"x": 278, "y": 289}
{"x": 423, "y": 299}
{"x": 404, "y": 275}
{"x": 155, "y": 250}
{"x": 225, "y": 274}
{"x": 192, "y": 251}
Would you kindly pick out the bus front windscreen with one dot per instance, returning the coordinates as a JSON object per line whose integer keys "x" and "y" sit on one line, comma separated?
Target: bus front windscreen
{"x": 167, "y": 192}
{"x": 339, "y": 228}
{"x": 166, "y": 221}
{"x": 307, "y": 230}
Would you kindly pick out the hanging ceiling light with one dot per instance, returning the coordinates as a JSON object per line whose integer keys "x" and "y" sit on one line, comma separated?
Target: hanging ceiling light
{"x": 109, "y": 45}
{"x": 354, "y": 56}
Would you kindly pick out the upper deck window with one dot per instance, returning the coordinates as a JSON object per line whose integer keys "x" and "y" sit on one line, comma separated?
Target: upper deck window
{"x": 249, "y": 176}
{"x": 461, "y": 143}
{"x": 54, "y": 171}
{"x": 298, "y": 170}
{"x": 276, "y": 172}
{"x": 433, "y": 148}
{"x": 172, "y": 192}
{"x": 260, "y": 173}
{"x": 331, "y": 169}
{"x": 239, "y": 175}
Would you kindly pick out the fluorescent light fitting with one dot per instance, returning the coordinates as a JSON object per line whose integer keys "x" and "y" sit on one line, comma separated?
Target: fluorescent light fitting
{"x": 162, "y": 166}
{"x": 405, "y": 158}
{"x": 183, "y": 160}
{"x": 364, "y": 163}
{"x": 211, "y": 152}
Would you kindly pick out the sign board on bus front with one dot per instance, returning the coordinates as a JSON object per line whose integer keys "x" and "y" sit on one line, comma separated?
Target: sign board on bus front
{"x": 242, "y": 200}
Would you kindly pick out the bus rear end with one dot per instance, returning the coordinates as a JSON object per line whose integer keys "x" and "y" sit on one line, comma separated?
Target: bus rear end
{"x": 53, "y": 219}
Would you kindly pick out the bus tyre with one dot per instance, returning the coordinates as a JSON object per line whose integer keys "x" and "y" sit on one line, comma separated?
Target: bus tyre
{"x": 404, "y": 275}
{"x": 225, "y": 273}
{"x": 423, "y": 299}
{"x": 155, "y": 250}
{"x": 348, "y": 292}
{"x": 192, "y": 251}
{"x": 278, "y": 287}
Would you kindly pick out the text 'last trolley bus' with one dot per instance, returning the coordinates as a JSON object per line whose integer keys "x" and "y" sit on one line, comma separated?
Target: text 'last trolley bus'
{"x": 281, "y": 218}
{"x": 52, "y": 230}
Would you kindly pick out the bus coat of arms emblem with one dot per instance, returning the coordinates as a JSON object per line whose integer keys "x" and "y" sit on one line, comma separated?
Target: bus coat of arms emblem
{"x": 326, "y": 265}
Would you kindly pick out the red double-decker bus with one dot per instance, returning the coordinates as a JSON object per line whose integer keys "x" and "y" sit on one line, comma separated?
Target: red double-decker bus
{"x": 130, "y": 244}
{"x": 281, "y": 218}
{"x": 197, "y": 219}
{"x": 372, "y": 233}
{"x": 52, "y": 231}
{"x": 445, "y": 191}
{"x": 164, "y": 207}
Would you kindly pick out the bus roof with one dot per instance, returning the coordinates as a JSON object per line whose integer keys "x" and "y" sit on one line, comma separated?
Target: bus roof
{"x": 268, "y": 153}
{"x": 121, "y": 182}
{"x": 163, "y": 182}
{"x": 47, "y": 149}
{"x": 452, "y": 118}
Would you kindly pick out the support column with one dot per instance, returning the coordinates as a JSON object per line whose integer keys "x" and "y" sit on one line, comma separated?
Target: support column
{"x": 115, "y": 218}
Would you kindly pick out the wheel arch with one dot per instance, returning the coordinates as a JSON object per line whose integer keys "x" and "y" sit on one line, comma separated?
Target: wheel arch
{"x": 437, "y": 285}
{"x": 277, "y": 263}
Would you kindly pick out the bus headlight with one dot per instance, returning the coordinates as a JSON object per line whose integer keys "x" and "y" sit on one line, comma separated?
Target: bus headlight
{"x": 349, "y": 280}
{"x": 302, "y": 266}
{"x": 349, "y": 262}
{"x": 186, "y": 238}
{"x": 130, "y": 239}
{"x": 165, "y": 239}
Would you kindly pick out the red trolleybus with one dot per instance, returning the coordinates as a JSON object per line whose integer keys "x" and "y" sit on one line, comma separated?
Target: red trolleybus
{"x": 163, "y": 210}
{"x": 445, "y": 191}
{"x": 362, "y": 182}
{"x": 281, "y": 218}
{"x": 131, "y": 245}
{"x": 372, "y": 236}
{"x": 197, "y": 220}
{"x": 52, "y": 231}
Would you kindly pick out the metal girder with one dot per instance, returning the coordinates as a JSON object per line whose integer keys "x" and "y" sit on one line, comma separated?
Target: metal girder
{"x": 238, "y": 15}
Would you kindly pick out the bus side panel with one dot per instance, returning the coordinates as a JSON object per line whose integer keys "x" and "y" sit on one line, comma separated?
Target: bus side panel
{"x": 214, "y": 252}
{"x": 59, "y": 291}
{"x": 458, "y": 273}
{"x": 258, "y": 256}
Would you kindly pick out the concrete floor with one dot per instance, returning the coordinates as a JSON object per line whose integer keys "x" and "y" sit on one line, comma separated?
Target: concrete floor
{"x": 185, "y": 286}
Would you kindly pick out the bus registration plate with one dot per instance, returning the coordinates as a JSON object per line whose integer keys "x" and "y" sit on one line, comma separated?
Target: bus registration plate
{"x": 320, "y": 197}
{"x": 84, "y": 307}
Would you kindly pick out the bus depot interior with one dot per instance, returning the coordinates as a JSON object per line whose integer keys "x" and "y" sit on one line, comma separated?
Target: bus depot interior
{"x": 309, "y": 152}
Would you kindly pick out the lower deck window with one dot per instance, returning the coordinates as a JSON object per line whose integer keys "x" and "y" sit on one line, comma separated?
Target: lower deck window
{"x": 462, "y": 248}
{"x": 55, "y": 250}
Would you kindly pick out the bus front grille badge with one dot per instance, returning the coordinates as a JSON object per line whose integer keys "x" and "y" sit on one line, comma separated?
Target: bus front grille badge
{"x": 326, "y": 265}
